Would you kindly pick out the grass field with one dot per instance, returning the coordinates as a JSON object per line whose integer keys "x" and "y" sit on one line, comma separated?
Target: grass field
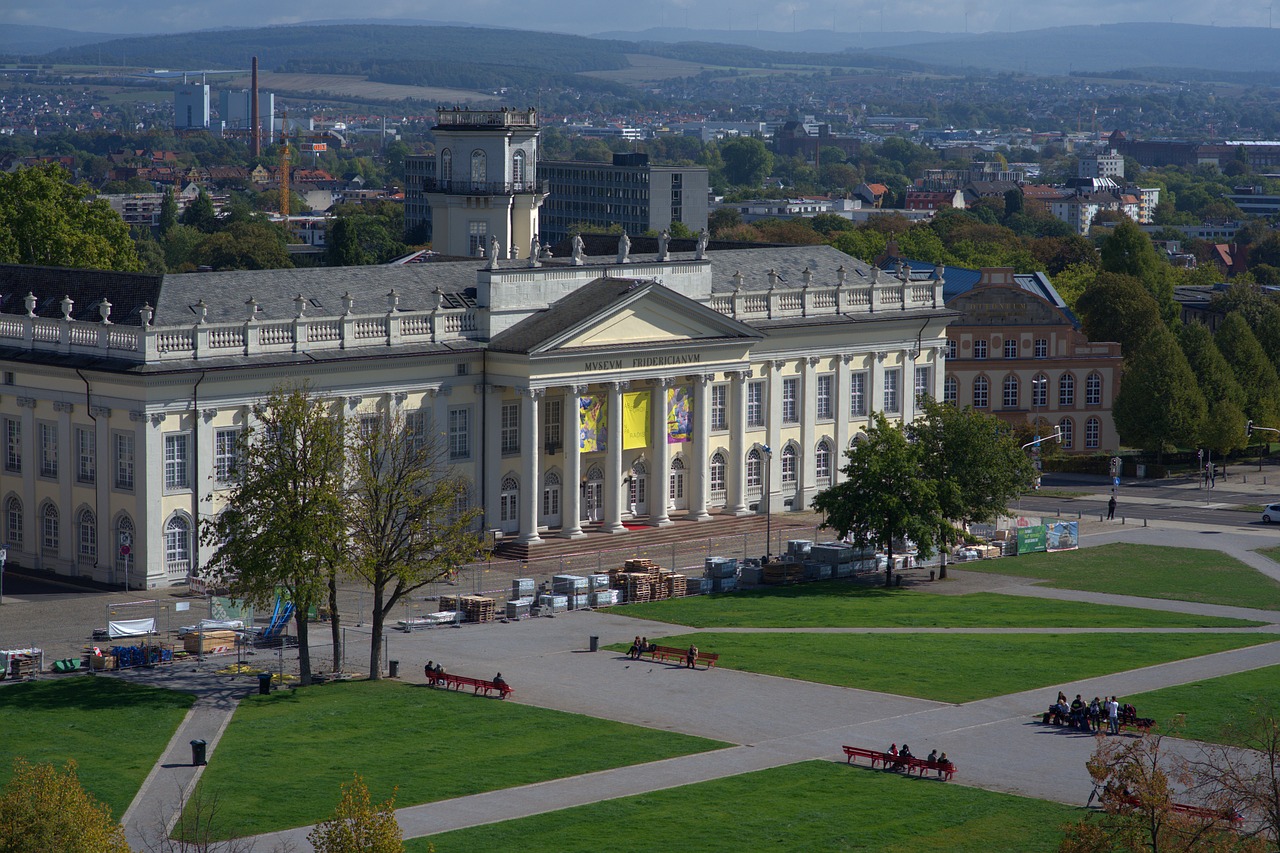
{"x": 114, "y": 730}
{"x": 953, "y": 667}
{"x": 815, "y": 805}
{"x": 1213, "y": 704}
{"x": 1270, "y": 553}
{"x": 1153, "y": 571}
{"x": 841, "y": 604}
{"x": 283, "y": 758}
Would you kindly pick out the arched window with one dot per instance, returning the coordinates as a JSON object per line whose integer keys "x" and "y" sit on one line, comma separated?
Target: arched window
{"x": 13, "y": 522}
{"x": 177, "y": 546}
{"x": 1068, "y": 433}
{"x": 822, "y": 462}
{"x": 1040, "y": 390}
{"x": 509, "y": 499}
{"x": 1093, "y": 390}
{"x": 87, "y": 536}
{"x": 1011, "y": 392}
{"x": 517, "y": 170}
{"x": 1092, "y": 429}
{"x": 717, "y": 472}
{"x": 789, "y": 464}
{"x": 1066, "y": 390}
{"x": 950, "y": 390}
{"x": 479, "y": 167}
{"x": 755, "y": 469}
{"x": 980, "y": 389}
{"x": 551, "y": 494}
{"x": 446, "y": 165}
{"x": 49, "y": 528}
{"x": 124, "y": 545}
{"x": 462, "y": 499}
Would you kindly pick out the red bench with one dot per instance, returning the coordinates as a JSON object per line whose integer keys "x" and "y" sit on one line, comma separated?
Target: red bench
{"x": 673, "y": 655}
{"x": 457, "y": 682}
{"x": 1230, "y": 816}
{"x": 897, "y": 762}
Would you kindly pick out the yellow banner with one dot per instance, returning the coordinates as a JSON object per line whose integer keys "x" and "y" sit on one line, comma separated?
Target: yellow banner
{"x": 635, "y": 420}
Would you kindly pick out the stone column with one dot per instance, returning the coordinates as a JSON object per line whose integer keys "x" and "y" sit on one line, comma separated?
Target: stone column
{"x": 492, "y": 469}
{"x": 659, "y": 452}
{"x": 698, "y": 459}
{"x": 769, "y": 501}
{"x": 148, "y": 567}
{"x": 735, "y": 470}
{"x": 68, "y": 465}
{"x": 808, "y": 433}
{"x": 202, "y": 480}
{"x": 571, "y": 494}
{"x": 103, "y": 475}
{"x": 875, "y": 378}
{"x": 531, "y": 487}
{"x": 840, "y": 400}
{"x": 908, "y": 386}
{"x": 30, "y": 450}
{"x": 440, "y": 417}
{"x": 613, "y": 461}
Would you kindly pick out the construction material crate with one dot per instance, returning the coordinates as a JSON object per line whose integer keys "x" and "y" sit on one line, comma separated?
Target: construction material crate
{"x": 478, "y": 608}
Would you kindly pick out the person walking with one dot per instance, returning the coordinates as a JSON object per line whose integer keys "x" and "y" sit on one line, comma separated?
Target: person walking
{"x": 1113, "y": 717}
{"x": 691, "y": 657}
{"x": 1111, "y": 508}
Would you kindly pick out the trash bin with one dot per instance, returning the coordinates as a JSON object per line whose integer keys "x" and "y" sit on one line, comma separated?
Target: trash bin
{"x": 393, "y": 668}
{"x": 264, "y": 684}
{"x": 197, "y": 753}
{"x": 595, "y": 643}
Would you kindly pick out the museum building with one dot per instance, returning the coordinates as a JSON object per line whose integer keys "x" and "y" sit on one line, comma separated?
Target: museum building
{"x": 575, "y": 394}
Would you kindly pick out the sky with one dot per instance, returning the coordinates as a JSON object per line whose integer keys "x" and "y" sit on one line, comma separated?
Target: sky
{"x": 585, "y": 17}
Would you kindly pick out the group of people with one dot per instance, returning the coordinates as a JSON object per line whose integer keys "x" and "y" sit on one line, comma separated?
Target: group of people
{"x": 898, "y": 759}
{"x": 433, "y": 671}
{"x": 1088, "y": 716}
{"x": 639, "y": 646}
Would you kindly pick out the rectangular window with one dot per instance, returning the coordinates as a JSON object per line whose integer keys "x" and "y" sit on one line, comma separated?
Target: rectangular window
{"x": 1042, "y": 348}
{"x": 124, "y": 461}
{"x": 176, "y": 459}
{"x": 790, "y": 407}
{"x": 48, "y": 450}
{"x": 1093, "y": 390}
{"x": 1091, "y": 429}
{"x": 892, "y": 405}
{"x": 459, "y": 434}
{"x": 719, "y": 407}
{"x": 1011, "y": 348}
{"x": 510, "y": 427}
{"x": 950, "y": 389}
{"x": 553, "y": 426}
{"x": 478, "y": 233}
{"x": 225, "y": 454}
{"x": 924, "y": 382}
{"x": 979, "y": 349}
{"x": 86, "y": 455}
{"x": 951, "y": 348}
{"x": 824, "y": 396}
{"x": 13, "y": 445}
{"x": 755, "y": 403}
{"x": 858, "y": 394}
{"x": 415, "y": 429}
{"x": 1011, "y": 393}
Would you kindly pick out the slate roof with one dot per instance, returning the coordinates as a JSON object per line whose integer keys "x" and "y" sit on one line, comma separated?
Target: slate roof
{"x": 959, "y": 280}
{"x": 126, "y": 291}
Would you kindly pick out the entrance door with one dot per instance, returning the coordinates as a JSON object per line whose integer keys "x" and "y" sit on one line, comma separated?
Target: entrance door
{"x": 639, "y": 490}
{"x": 551, "y": 500}
{"x": 509, "y": 506}
{"x": 593, "y": 496}
{"x": 675, "y": 487}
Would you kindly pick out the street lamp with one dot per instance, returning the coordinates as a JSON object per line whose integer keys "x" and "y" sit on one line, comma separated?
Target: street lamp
{"x": 768, "y": 515}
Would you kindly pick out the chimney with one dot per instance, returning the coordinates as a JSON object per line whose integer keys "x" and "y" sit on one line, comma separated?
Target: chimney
{"x": 255, "y": 124}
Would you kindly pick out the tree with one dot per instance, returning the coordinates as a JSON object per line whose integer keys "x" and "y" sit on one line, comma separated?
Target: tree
{"x": 1129, "y": 251}
{"x": 359, "y": 826}
{"x": 975, "y": 462}
{"x": 1244, "y": 773}
{"x": 886, "y": 495}
{"x": 47, "y": 220}
{"x": 282, "y": 525}
{"x": 358, "y": 241}
{"x": 1117, "y": 307}
{"x": 1253, "y": 370}
{"x": 168, "y": 213}
{"x": 44, "y": 810}
{"x": 746, "y": 161}
{"x": 1223, "y": 429}
{"x": 245, "y": 246}
{"x": 1159, "y": 406}
{"x": 722, "y": 219}
{"x": 200, "y": 214}
{"x": 401, "y": 513}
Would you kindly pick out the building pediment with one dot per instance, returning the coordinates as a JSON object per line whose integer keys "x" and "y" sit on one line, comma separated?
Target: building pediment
{"x": 611, "y": 313}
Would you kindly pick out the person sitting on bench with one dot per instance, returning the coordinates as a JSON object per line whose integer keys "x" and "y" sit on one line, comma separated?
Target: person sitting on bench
{"x": 430, "y": 672}
{"x": 933, "y": 758}
{"x": 498, "y": 682}
{"x": 944, "y": 764}
{"x": 636, "y": 649}
{"x": 903, "y": 755}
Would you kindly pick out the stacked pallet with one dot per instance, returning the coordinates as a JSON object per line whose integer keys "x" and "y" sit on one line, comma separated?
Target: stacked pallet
{"x": 676, "y": 585}
{"x": 23, "y": 666}
{"x": 478, "y": 608}
{"x": 780, "y": 571}
{"x": 448, "y": 603}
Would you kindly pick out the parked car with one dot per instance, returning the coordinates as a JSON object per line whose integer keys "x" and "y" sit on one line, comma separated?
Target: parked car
{"x": 1270, "y": 513}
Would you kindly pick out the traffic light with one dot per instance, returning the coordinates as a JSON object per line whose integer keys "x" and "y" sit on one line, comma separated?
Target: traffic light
{"x": 1248, "y": 429}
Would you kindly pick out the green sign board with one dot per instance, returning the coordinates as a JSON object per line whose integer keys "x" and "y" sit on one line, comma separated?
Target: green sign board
{"x": 1032, "y": 539}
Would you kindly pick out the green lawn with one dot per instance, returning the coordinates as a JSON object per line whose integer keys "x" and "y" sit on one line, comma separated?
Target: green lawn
{"x": 284, "y": 756}
{"x": 842, "y": 604}
{"x": 816, "y": 805}
{"x": 115, "y": 730}
{"x": 1153, "y": 571}
{"x": 1212, "y": 704}
{"x": 952, "y": 667}
{"x": 1270, "y": 553}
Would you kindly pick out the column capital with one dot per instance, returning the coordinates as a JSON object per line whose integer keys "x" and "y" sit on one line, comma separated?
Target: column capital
{"x": 881, "y": 355}
{"x": 137, "y": 417}
{"x": 354, "y": 400}
{"x": 740, "y": 375}
{"x": 208, "y": 414}
{"x": 27, "y": 402}
{"x": 99, "y": 411}
{"x": 158, "y": 418}
{"x": 577, "y": 390}
{"x": 533, "y": 393}
{"x": 620, "y": 384}
{"x": 661, "y": 382}
{"x": 848, "y": 357}
{"x": 813, "y": 360}
{"x": 778, "y": 363}
{"x": 704, "y": 378}
{"x": 441, "y": 391}
{"x": 400, "y": 397}
{"x": 60, "y": 406}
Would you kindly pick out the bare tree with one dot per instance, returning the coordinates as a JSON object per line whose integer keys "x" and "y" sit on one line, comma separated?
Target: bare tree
{"x": 197, "y": 828}
{"x": 1245, "y": 772}
{"x": 406, "y": 514}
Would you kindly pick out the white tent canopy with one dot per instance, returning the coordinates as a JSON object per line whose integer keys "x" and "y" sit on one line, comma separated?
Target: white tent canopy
{"x": 131, "y": 628}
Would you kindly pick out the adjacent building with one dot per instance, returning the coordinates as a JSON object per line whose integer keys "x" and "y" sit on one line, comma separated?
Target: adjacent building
{"x": 191, "y": 107}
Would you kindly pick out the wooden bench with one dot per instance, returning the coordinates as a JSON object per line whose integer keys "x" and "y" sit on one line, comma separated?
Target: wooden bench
{"x": 670, "y": 654}
{"x": 457, "y": 682}
{"x": 897, "y": 762}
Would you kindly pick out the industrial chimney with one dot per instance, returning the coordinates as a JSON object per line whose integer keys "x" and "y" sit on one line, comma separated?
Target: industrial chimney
{"x": 255, "y": 123}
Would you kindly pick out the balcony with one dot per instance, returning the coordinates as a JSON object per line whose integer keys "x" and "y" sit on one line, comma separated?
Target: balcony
{"x": 435, "y": 185}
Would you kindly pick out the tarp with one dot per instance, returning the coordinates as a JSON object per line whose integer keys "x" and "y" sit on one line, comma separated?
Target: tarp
{"x": 212, "y": 625}
{"x": 679, "y": 414}
{"x": 131, "y": 628}
{"x": 635, "y": 420}
{"x": 593, "y": 427}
